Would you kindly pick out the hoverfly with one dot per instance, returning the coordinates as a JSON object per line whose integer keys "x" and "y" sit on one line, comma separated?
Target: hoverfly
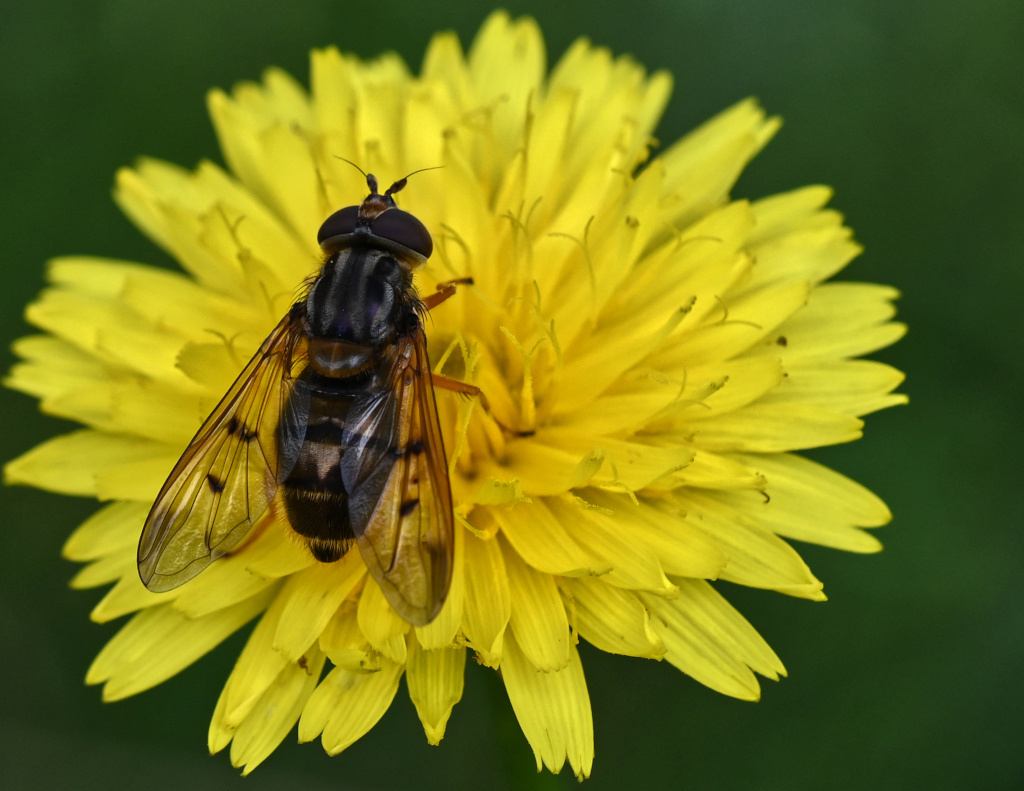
{"x": 335, "y": 417}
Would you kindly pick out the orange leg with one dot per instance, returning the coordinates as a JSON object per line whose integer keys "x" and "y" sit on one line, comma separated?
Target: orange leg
{"x": 455, "y": 386}
{"x": 464, "y": 388}
{"x": 444, "y": 291}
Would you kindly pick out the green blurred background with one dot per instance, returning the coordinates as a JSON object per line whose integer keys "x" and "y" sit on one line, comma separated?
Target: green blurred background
{"x": 907, "y": 677}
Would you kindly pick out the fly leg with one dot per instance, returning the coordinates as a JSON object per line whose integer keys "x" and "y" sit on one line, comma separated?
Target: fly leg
{"x": 472, "y": 391}
{"x": 444, "y": 291}
{"x": 457, "y": 386}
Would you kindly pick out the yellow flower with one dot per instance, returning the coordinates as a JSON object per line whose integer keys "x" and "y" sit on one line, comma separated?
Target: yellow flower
{"x": 661, "y": 349}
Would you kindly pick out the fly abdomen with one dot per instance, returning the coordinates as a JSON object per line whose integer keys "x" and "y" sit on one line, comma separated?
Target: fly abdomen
{"x": 313, "y": 493}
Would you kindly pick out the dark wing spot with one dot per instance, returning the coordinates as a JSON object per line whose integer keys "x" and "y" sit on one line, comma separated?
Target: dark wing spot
{"x": 408, "y": 506}
{"x": 782, "y": 340}
{"x": 416, "y": 447}
{"x": 216, "y": 484}
{"x": 237, "y": 428}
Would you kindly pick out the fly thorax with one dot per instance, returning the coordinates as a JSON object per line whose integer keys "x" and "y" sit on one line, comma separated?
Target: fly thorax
{"x": 358, "y": 298}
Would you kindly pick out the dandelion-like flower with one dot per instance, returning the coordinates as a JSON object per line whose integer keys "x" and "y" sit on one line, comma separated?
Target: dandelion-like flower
{"x": 659, "y": 349}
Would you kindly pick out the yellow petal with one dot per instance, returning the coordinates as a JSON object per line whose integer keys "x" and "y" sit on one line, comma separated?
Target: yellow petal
{"x": 346, "y": 705}
{"x": 615, "y": 412}
{"x": 634, "y": 565}
{"x": 553, "y": 460}
{"x": 813, "y": 252}
{"x": 276, "y": 712}
{"x": 598, "y": 366}
{"x": 267, "y": 145}
{"x": 698, "y": 265}
{"x": 774, "y": 427}
{"x": 331, "y": 88}
{"x": 106, "y": 569}
{"x": 343, "y": 629}
{"x": 718, "y": 471}
{"x": 346, "y": 645}
{"x": 780, "y": 214}
{"x": 538, "y": 617}
{"x": 751, "y": 318}
{"x": 506, "y": 64}
{"x": 682, "y": 547}
{"x": 435, "y": 680}
{"x": 854, "y": 387}
{"x": 610, "y": 90}
{"x": 726, "y": 388}
{"x": 111, "y": 530}
{"x": 225, "y": 237}
{"x": 840, "y": 320}
{"x": 111, "y": 331}
{"x": 707, "y": 639}
{"x": 378, "y": 118}
{"x": 384, "y": 628}
{"x": 543, "y": 542}
{"x": 443, "y": 629}
{"x": 73, "y": 463}
{"x": 705, "y": 164}
{"x": 130, "y": 405}
{"x": 553, "y": 710}
{"x": 229, "y": 579}
{"x": 167, "y": 299}
{"x": 487, "y": 603}
{"x": 52, "y": 367}
{"x": 256, "y": 669}
{"x": 467, "y": 216}
{"x": 136, "y": 479}
{"x": 130, "y": 595}
{"x": 756, "y": 556}
{"x": 279, "y": 555}
{"x": 160, "y": 642}
{"x": 810, "y": 502}
{"x": 313, "y": 596}
{"x": 444, "y": 64}
{"x": 612, "y": 619}
{"x": 547, "y": 137}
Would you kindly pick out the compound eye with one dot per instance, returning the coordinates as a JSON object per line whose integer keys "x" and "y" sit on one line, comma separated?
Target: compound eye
{"x": 340, "y": 223}
{"x": 403, "y": 228}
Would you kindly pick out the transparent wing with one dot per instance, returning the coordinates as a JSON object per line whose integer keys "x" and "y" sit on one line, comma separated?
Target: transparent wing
{"x": 396, "y": 476}
{"x": 230, "y": 471}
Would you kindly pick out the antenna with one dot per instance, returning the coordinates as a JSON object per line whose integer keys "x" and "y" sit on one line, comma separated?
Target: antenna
{"x": 371, "y": 181}
{"x": 400, "y": 184}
